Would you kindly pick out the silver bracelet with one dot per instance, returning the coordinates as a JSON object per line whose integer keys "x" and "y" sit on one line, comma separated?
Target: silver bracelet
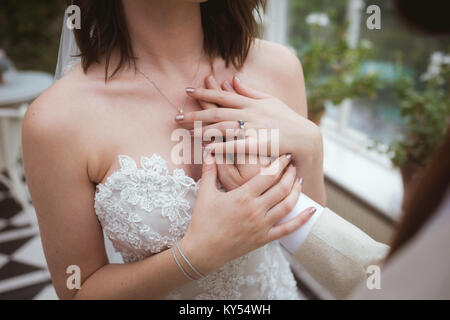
{"x": 188, "y": 262}
{"x": 180, "y": 266}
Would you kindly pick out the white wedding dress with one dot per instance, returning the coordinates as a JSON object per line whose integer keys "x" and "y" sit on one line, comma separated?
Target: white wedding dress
{"x": 145, "y": 210}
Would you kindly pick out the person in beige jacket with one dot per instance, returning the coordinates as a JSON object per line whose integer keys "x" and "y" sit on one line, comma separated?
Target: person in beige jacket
{"x": 418, "y": 263}
{"x": 417, "y": 266}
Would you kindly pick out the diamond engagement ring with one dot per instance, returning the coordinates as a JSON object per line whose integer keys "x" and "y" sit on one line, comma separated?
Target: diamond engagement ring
{"x": 241, "y": 134}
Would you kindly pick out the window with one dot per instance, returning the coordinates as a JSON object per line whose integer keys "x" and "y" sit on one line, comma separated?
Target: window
{"x": 350, "y": 126}
{"x": 391, "y": 46}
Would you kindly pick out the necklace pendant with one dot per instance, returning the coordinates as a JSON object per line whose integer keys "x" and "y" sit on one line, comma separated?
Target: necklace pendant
{"x": 181, "y": 111}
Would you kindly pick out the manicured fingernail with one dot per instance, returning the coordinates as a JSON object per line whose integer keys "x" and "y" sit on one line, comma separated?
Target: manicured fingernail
{"x": 228, "y": 85}
{"x": 300, "y": 181}
{"x": 213, "y": 81}
{"x": 179, "y": 117}
{"x": 289, "y": 156}
{"x": 311, "y": 211}
{"x": 190, "y": 90}
{"x": 237, "y": 79}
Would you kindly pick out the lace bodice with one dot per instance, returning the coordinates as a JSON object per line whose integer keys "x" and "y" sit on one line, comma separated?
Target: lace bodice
{"x": 145, "y": 210}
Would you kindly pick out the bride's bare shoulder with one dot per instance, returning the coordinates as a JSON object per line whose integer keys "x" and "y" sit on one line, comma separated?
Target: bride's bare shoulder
{"x": 273, "y": 58}
{"x": 275, "y": 69}
{"x": 61, "y": 113}
{"x": 67, "y": 95}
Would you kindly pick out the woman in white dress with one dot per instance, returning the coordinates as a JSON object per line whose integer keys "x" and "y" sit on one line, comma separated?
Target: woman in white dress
{"x": 98, "y": 155}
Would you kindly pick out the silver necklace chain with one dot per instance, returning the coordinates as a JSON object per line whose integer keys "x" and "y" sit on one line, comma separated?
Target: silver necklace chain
{"x": 180, "y": 110}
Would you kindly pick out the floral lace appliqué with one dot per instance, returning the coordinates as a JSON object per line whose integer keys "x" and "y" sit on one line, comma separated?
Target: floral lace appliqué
{"x": 133, "y": 192}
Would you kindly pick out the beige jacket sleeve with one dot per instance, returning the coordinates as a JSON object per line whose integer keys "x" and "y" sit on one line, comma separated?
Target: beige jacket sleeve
{"x": 336, "y": 254}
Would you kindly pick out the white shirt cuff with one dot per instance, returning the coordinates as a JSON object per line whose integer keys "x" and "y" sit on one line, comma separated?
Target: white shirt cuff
{"x": 293, "y": 241}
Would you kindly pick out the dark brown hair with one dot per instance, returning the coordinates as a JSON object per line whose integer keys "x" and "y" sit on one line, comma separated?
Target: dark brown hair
{"x": 229, "y": 27}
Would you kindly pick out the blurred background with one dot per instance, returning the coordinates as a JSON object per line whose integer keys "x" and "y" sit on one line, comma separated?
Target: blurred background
{"x": 381, "y": 97}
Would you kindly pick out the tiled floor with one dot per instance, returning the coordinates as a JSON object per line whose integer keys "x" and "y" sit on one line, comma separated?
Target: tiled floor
{"x": 23, "y": 271}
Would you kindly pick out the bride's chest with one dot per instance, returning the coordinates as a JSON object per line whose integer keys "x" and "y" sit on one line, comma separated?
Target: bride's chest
{"x": 140, "y": 132}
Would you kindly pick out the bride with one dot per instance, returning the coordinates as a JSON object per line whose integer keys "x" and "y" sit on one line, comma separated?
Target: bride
{"x": 97, "y": 154}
